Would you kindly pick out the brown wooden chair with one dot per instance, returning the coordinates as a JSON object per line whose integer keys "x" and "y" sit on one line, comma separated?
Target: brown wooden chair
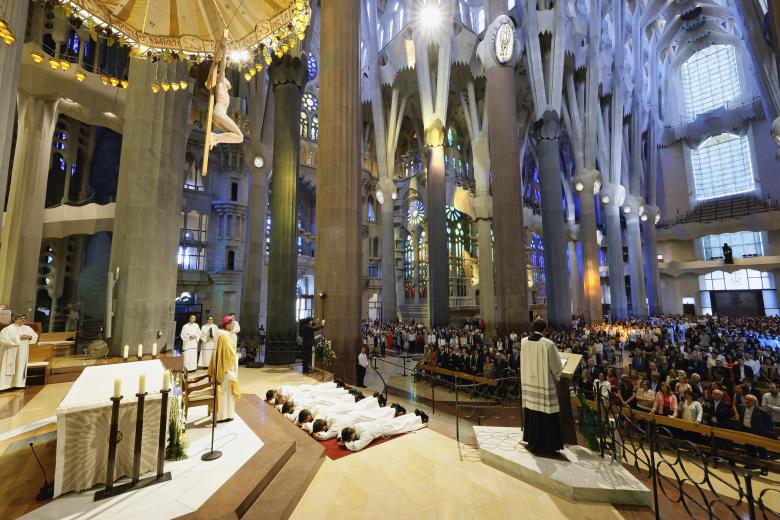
{"x": 198, "y": 391}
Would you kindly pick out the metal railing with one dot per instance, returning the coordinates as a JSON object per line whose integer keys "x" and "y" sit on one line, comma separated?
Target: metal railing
{"x": 695, "y": 470}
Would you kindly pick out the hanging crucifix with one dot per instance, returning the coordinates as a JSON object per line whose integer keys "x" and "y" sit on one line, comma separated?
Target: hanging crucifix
{"x": 219, "y": 100}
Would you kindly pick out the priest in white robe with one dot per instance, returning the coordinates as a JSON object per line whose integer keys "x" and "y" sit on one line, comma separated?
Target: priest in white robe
{"x": 208, "y": 336}
{"x": 15, "y": 341}
{"x": 540, "y": 368}
{"x": 190, "y": 335}
{"x": 223, "y": 368}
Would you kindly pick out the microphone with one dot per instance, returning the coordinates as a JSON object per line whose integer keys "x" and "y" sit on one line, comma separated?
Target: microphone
{"x": 47, "y": 490}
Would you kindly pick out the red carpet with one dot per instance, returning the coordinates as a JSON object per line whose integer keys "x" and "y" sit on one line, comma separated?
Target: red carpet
{"x": 335, "y": 452}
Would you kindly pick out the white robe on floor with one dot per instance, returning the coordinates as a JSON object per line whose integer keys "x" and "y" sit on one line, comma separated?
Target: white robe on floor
{"x": 207, "y": 347}
{"x": 189, "y": 346}
{"x": 368, "y": 431}
{"x": 337, "y": 422}
{"x": 14, "y": 353}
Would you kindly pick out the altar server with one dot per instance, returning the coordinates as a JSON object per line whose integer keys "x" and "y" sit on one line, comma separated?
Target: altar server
{"x": 362, "y": 434}
{"x": 208, "y": 336}
{"x": 223, "y": 368}
{"x": 190, "y": 335}
{"x": 15, "y": 341}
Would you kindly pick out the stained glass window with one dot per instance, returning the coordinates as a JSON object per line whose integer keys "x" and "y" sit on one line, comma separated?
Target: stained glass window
{"x": 304, "y": 124}
{"x": 312, "y": 65}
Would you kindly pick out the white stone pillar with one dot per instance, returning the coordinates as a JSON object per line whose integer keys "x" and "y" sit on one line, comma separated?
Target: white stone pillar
{"x": 612, "y": 196}
{"x": 23, "y": 229}
{"x": 10, "y": 64}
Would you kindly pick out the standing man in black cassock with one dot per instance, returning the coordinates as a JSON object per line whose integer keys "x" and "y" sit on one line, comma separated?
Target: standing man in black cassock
{"x": 306, "y": 328}
{"x": 540, "y": 368}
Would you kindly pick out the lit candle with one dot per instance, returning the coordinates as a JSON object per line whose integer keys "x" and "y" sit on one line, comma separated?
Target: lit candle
{"x": 140, "y": 350}
{"x": 126, "y": 351}
{"x": 154, "y": 349}
{"x": 117, "y": 387}
{"x": 142, "y": 383}
{"x": 166, "y": 380}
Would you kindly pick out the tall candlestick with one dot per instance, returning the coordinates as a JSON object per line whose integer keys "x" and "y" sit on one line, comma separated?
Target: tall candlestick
{"x": 166, "y": 380}
{"x": 117, "y": 387}
{"x": 142, "y": 384}
{"x": 154, "y": 349}
{"x": 126, "y": 351}
{"x": 140, "y": 350}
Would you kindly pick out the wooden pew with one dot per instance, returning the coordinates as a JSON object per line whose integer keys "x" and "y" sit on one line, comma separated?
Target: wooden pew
{"x": 62, "y": 342}
{"x": 459, "y": 375}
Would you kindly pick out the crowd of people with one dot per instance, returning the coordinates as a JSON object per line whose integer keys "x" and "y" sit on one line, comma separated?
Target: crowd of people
{"x": 722, "y": 371}
{"x": 333, "y": 410}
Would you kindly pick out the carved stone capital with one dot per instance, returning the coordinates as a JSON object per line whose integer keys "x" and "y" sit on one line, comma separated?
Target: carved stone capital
{"x": 486, "y": 50}
{"x": 586, "y": 181}
{"x": 483, "y": 207}
{"x": 633, "y": 207}
{"x": 434, "y": 134}
{"x": 289, "y": 70}
{"x": 612, "y": 194}
{"x": 548, "y": 127}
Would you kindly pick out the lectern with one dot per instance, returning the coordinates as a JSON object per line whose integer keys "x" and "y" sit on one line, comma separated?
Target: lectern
{"x": 568, "y": 432}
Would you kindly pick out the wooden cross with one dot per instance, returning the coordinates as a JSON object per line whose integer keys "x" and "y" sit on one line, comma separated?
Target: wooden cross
{"x": 216, "y": 75}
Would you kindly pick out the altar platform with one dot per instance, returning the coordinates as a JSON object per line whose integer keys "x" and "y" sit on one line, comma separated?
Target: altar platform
{"x": 580, "y": 475}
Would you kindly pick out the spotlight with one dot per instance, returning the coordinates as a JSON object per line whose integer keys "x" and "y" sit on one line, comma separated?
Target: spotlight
{"x": 380, "y": 197}
{"x": 579, "y": 186}
{"x": 643, "y": 218}
{"x": 36, "y": 57}
{"x": 394, "y": 195}
{"x": 658, "y": 218}
{"x": 626, "y": 209}
{"x": 596, "y": 186}
{"x": 259, "y": 162}
{"x": 605, "y": 199}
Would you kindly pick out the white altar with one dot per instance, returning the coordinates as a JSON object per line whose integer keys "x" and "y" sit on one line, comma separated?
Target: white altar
{"x": 84, "y": 421}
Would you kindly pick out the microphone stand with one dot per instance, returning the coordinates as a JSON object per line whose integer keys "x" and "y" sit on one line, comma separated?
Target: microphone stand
{"x": 214, "y": 455}
{"x": 47, "y": 489}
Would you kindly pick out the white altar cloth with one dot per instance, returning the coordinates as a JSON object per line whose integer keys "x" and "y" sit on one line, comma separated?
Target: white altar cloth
{"x": 84, "y": 421}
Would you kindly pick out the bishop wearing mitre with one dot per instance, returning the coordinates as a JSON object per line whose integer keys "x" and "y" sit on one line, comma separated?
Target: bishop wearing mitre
{"x": 223, "y": 368}
{"x": 15, "y": 341}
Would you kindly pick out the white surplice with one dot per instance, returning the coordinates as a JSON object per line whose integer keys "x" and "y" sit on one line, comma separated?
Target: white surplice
{"x": 368, "y": 431}
{"x": 208, "y": 333}
{"x": 190, "y": 335}
{"x": 14, "y": 355}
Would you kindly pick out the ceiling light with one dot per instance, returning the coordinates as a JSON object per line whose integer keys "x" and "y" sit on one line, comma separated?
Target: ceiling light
{"x": 657, "y": 218}
{"x": 579, "y": 186}
{"x": 64, "y": 64}
{"x": 259, "y": 162}
{"x": 430, "y": 15}
{"x": 626, "y": 209}
{"x": 643, "y": 218}
{"x": 54, "y": 64}
{"x": 165, "y": 86}
{"x": 81, "y": 75}
{"x": 155, "y": 87}
{"x": 36, "y": 57}
{"x": 605, "y": 199}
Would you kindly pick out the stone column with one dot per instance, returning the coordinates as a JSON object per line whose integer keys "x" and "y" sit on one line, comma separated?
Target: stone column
{"x": 255, "y": 247}
{"x": 438, "y": 257}
{"x": 10, "y": 64}
{"x": 575, "y": 282}
{"x": 337, "y": 272}
{"x": 387, "y": 223}
{"x": 612, "y": 195}
{"x": 511, "y": 275}
{"x": 487, "y": 283}
{"x": 288, "y": 77}
{"x": 774, "y": 29}
{"x": 585, "y": 187}
{"x": 148, "y": 207}
{"x": 635, "y": 255}
{"x": 649, "y": 220}
{"x": 556, "y": 270}
{"x": 22, "y": 232}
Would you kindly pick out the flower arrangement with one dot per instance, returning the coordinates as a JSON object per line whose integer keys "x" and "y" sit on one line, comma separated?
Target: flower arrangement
{"x": 177, "y": 439}
{"x": 323, "y": 349}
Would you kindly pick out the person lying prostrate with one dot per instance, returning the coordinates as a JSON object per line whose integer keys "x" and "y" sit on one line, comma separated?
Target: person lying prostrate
{"x": 326, "y": 427}
{"x": 362, "y": 434}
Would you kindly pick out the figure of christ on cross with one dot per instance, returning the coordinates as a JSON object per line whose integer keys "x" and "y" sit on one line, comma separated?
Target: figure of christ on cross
{"x": 219, "y": 100}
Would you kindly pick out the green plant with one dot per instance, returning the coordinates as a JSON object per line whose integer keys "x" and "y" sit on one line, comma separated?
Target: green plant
{"x": 588, "y": 424}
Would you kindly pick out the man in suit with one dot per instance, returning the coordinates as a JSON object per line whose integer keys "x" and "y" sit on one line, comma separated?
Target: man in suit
{"x": 757, "y": 421}
{"x": 639, "y": 361}
{"x": 720, "y": 414}
{"x": 593, "y": 370}
{"x": 697, "y": 387}
{"x": 514, "y": 361}
{"x": 655, "y": 382}
{"x": 742, "y": 371}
